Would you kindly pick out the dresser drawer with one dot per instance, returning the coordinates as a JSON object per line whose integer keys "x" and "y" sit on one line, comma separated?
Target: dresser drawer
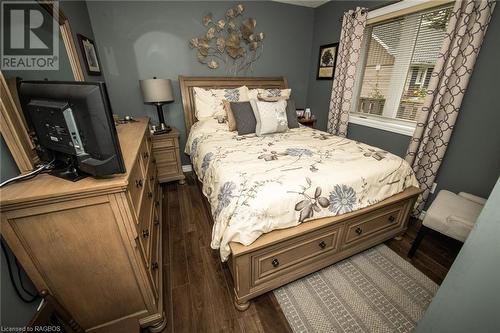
{"x": 293, "y": 253}
{"x": 373, "y": 223}
{"x": 155, "y": 246}
{"x": 145, "y": 222}
{"x": 152, "y": 174}
{"x": 145, "y": 152}
{"x": 136, "y": 185}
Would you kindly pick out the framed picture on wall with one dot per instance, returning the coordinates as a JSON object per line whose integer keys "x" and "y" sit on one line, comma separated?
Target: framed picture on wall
{"x": 89, "y": 53}
{"x": 327, "y": 60}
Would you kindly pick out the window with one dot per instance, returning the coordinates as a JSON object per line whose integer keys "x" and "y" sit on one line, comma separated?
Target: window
{"x": 396, "y": 65}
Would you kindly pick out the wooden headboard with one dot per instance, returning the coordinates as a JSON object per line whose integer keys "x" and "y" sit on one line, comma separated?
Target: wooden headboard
{"x": 219, "y": 82}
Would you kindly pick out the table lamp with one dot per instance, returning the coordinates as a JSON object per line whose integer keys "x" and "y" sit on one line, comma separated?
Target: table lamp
{"x": 158, "y": 92}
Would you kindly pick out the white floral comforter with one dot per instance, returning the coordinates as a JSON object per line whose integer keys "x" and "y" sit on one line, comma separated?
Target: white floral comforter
{"x": 259, "y": 184}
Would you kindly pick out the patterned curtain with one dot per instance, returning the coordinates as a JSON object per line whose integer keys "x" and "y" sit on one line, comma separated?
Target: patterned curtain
{"x": 466, "y": 30}
{"x": 353, "y": 26}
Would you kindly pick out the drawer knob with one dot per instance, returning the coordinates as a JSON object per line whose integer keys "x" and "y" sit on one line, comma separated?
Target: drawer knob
{"x": 145, "y": 155}
{"x": 145, "y": 233}
{"x": 322, "y": 244}
{"x": 392, "y": 218}
{"x": 275, "y": 263}
{"x": 154, "y": 265}
{"x": 138, "y": 182}
{"x": 150, "y": 195}
{"x": 358, "y": 230}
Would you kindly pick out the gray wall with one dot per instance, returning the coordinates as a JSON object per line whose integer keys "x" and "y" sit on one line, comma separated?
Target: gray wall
{"x": 13, "y": 311}
{"x": 472, "y": 161}
{"x": 139, "y": 40}
{"x": 79, "y": 19}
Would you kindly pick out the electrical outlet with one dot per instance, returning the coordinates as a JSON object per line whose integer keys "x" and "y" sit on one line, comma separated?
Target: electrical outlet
{"x": 433, "y": 188}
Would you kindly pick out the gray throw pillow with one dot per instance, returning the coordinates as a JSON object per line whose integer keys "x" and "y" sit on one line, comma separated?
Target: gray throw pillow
{"x": 244, "y": 117}
{"x": 291, "y": 114}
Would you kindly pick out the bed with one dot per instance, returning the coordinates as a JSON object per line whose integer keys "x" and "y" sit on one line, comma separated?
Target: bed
{"x": 287, "y": 204}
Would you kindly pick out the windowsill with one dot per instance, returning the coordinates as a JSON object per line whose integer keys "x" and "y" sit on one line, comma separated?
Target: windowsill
{"x": 386, "y": 125}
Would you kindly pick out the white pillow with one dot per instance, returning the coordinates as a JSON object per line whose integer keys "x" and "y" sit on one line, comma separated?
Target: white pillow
{"x": 270, "y": 116}
{"x": 209, "y": 102}
{"x": 269, "y": 93}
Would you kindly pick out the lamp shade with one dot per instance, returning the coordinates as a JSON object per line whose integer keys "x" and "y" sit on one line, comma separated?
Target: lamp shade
{"x": 157, "y": 90}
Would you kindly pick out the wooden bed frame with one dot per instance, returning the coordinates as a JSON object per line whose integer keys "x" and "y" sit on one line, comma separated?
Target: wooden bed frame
{"x": 282, "y": 256}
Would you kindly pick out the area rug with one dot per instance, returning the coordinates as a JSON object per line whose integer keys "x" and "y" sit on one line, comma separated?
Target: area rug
{"x": 374, "y": 291}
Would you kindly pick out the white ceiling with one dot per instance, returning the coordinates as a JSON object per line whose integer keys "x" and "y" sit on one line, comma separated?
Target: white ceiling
{"x": 306, "y": 3}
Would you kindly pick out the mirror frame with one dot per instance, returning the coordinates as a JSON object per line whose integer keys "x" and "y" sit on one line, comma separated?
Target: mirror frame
{"x": 12, "y": 123}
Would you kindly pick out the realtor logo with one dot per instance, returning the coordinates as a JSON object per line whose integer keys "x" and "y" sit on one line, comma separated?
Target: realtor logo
{"x": 30, "y": 37}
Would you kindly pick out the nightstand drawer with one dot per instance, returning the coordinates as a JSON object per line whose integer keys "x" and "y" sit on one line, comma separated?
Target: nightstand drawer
{"x": 163, "y": 142}
{"x": 165, "y": 156}
{"x": 166, "y": 170}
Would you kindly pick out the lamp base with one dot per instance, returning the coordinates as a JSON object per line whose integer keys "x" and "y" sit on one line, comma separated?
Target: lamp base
{"x": 161, "y": 129}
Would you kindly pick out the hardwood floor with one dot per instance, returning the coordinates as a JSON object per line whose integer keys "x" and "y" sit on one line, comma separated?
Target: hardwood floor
{"x": 198, "y": 287}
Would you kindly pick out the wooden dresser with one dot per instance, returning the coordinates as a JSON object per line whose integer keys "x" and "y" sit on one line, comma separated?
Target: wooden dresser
{"x": 168, "y": 159}
{"x": 94, "y": 244}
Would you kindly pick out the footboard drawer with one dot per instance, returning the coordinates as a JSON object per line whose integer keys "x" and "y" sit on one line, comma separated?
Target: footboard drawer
{"x": 374, "y": 223}
{"x": 273, "y": 262}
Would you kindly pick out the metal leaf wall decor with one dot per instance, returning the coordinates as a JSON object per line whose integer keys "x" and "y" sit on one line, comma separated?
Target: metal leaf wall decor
{"x": 231, "y": 41}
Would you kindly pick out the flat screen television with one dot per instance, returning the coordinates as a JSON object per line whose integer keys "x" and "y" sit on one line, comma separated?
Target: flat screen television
{"x": 74, "y": 127}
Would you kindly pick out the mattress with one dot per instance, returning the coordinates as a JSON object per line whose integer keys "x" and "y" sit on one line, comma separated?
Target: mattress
{"x": 258, "y": 184}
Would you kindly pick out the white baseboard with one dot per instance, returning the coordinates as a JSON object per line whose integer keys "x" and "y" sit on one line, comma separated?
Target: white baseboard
{"x": 187, "y": 168}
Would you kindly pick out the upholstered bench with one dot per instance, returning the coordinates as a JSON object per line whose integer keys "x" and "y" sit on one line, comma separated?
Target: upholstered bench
{"x": 450, "y": 214}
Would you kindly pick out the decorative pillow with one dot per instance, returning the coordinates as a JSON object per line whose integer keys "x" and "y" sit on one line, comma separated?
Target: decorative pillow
{"x": 209, "y": 102}
{"x": 291, "y": 114}
{"x": 270, "y": 116}
{"x": 231, "y": 122}
{"x": 244, "y": 117}
{"x": 269, "y": 94}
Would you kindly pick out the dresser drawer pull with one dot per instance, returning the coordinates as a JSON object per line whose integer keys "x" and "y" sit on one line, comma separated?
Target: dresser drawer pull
{"x": 154, "y": 265}
{"x": 145, "y": 233}
{"x": 322, "y": 244}
{"x": 392, "y": 218}
{"x": 275, "y": 263}
{"x": 138, "y": 182}
{"x": 150, "y": 195}
{"x": 156, "y": 222}
{"x": 145, "y": 155}
{"x": 359, "y": 231}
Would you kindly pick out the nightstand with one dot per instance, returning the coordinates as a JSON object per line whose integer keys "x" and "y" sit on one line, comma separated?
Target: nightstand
{"x": 307, "y": 122}
{"x": 167, "y": 156}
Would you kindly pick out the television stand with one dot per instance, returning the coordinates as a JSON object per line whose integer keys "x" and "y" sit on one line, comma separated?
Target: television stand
{"x": 68, "y": 172}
